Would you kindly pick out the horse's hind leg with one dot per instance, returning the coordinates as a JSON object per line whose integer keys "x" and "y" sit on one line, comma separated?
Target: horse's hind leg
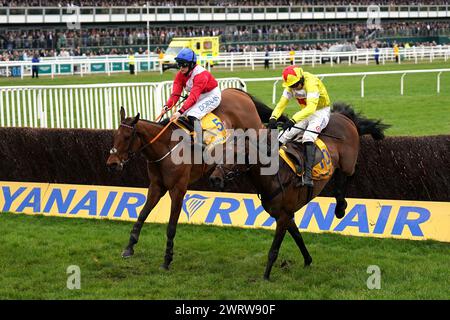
{"x": 155, "y": 193}
{"x": 280, "y": 232}
{"x": 295, "y": 233}
{"x": 340, "y": 189}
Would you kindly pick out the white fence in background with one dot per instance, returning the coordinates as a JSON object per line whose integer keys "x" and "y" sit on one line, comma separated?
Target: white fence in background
{"x": 97, "y": 105}
{"x": 363, "y": 76}
{"x": 93, "y": 106}
{"x": 117, "y": 64}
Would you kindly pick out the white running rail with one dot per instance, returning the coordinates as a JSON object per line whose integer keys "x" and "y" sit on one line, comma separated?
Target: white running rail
{"x": 94, "y": 106}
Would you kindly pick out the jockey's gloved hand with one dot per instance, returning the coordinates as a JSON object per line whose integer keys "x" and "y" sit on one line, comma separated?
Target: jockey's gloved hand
{"x": 166, "y": 108}
{"x": 272, "y": 123}
{"x": 288, "y": 124}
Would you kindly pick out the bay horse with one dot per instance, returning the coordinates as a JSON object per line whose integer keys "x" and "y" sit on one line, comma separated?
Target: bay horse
{"x": 281, "y": 197}
{"x": 236, "y": 110}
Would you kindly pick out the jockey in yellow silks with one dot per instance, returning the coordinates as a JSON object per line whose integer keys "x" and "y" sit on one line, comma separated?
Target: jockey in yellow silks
{"x": 313, "y": 116}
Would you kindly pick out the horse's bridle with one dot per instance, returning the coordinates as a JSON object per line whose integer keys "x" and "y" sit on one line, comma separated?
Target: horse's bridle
{"x": 132, "y": 154}
{"x": 230, "y": 174}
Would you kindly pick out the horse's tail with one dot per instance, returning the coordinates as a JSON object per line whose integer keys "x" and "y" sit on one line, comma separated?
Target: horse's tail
{"x": 365, "y": 126}
{"x": 263, "y": 110}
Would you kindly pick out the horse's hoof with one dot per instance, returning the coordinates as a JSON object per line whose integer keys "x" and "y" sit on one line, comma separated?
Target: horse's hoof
{"x": 308, "y": 261}
{"x": 267, "y": 278}
{"x": 127, "y": 253}
{"x": 339, "y": 212}
{"x": 165, "y": 267}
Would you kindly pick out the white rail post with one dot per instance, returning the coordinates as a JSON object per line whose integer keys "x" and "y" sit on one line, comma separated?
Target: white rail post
{"x": 107, "y": 66}
{"x": 274, "y": 91}
{"x": 232, "y": 62}
{"x": 362, "y": 85}
{"x": 401, "y": 83}
{"x": 439, "y": 82}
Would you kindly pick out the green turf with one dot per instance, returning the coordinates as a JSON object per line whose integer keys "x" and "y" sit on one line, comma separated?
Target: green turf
{"x": 420, "y": 111}
{"x": 209, "y": 263}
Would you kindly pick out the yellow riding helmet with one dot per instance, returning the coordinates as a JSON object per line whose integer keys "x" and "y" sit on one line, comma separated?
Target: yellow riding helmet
{"x": 291, "y": 75}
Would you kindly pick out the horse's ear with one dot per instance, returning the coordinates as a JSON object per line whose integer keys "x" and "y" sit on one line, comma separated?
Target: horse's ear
{"x": 122, "y": 114}
{"x": 136, "y": 119}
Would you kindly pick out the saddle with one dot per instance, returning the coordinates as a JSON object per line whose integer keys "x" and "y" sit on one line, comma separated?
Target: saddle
{"x": 293, "y": 154}
{"x": 213, "y": 130}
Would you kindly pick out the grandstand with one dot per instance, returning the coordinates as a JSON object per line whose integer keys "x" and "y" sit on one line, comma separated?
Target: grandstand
{"x": 276, "y": 25}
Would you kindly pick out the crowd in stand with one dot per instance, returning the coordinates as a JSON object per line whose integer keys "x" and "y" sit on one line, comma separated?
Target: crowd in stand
{"x": 240, "y": 3}
{"x": 107, "y": 37}
{"x": 22, "y": 55}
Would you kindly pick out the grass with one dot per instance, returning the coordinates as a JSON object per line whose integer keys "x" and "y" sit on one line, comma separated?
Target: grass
{"x": 209, "y": 263}
{"x": 420, "y": 111}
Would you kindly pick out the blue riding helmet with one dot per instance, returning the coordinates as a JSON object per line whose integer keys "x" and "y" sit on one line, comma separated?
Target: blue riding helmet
{"x": 186, "y": 55}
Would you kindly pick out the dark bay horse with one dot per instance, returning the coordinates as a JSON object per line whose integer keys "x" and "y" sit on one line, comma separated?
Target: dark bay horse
{"x": 281, "y": 198}
{"x": 236, "y": 110}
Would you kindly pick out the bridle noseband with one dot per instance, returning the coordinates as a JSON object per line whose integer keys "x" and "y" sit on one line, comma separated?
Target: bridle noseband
{"x": 230, "y": 174}
{"x": 132, "y": 154}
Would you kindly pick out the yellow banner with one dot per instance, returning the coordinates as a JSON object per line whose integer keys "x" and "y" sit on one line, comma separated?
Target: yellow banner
{"x": 417, "y": 220}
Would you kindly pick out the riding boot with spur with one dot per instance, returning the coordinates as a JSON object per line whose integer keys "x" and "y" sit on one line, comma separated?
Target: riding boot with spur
{"x": 309, "y": 159}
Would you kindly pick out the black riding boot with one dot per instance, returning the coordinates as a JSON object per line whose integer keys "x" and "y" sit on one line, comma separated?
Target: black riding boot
{"x": 309, "y": 160}
{"x": 192, "y": 124}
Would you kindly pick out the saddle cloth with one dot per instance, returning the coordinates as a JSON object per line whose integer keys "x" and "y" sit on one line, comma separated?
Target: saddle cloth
{"x": 292, "y": 153}
{"x": 214, "y": 131}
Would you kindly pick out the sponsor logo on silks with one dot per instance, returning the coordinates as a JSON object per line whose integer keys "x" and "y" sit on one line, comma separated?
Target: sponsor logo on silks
{"x": 378, "y": 218}
{"x": 191, "y": 204}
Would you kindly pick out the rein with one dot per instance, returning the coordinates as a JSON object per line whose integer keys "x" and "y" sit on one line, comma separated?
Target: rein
{"x": 132, "y": 155}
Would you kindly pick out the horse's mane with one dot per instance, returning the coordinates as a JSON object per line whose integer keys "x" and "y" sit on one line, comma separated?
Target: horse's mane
{"x": 364, "y": 125}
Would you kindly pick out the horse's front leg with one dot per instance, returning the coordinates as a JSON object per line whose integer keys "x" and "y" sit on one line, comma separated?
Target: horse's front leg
{"x": 155, "y": 192}
{"x": 295, "y": 233}
{"x": 280, "y": 232}
{"x": 177, "y": 195}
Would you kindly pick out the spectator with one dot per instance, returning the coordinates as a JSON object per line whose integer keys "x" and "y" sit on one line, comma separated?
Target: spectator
{"x": 396, "y": 53}
{"x": 377, "y": 54}
{"x": 131, "y": 61}
{"x": 35, "y": 68}
{"x": 266, "y": 60}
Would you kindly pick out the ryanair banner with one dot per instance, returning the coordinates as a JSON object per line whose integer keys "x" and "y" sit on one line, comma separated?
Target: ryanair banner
{"x": 374, "y": 218}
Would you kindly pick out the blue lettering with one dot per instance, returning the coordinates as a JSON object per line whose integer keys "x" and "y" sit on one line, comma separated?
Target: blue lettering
{"x": 10, "y": 198}
{"x": 382, "y": 219}
{"x": 108, "y": 203}
{"x": 268, "y": 222}
{"x": 360, "y": 211}
{"x": 61, "y": 204}
{"x": 131, "y": 207}
{"x": 89, "y": 202}
{"x": 225, "y": 212}
{"x": 252, "y": 211}
{"x": 33, "y": 200}
{"x": 313, "y": 209}
{"x": 413, "y": 224}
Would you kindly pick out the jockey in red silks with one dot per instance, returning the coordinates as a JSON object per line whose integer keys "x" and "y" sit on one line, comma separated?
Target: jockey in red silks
{"x": 204, "y": 93}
